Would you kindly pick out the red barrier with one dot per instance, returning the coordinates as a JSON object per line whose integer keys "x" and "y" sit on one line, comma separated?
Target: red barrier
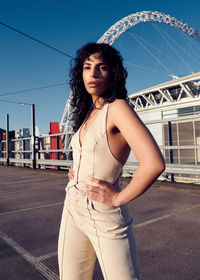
{"x": 55, "y": 142}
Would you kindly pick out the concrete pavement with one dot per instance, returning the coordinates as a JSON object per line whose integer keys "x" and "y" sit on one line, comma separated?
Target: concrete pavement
{"x": 166, "y": 223}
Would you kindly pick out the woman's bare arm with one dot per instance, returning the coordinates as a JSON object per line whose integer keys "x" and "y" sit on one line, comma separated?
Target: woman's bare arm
{"x": 143, "y": 145}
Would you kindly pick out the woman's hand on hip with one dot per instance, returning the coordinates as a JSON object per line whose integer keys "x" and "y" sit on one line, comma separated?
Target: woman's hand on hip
{"x": 71, "y": 173}
{"x": 103, "y": 192}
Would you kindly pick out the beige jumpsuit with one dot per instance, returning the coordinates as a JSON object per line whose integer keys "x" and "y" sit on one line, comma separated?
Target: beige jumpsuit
{"x": 89, "y": 228}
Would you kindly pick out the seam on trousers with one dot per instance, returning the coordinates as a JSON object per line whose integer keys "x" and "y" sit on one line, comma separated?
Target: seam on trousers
{"x": 90, "y": 259}
{"x": 66, "y": 220}
{"x": 98, "y": 242}
{"x": 100, "y": 252}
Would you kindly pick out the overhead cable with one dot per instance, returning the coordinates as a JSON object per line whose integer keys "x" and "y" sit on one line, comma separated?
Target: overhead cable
{"x": 176, "y": 52}
{"x": 145, "y": 68}
{"x": 188, "y": 40}
{"x": 150, "y": 52}
{"x": 32, "y": 89}
{"x": 157, "y": 49}
{"x": 34, "y": 39}
{"x": 15, "y": 102}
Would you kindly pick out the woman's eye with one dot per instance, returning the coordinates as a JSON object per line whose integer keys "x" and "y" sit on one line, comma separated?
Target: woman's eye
{"x": 86, "y": 68}
{"x": 104, "y": 68}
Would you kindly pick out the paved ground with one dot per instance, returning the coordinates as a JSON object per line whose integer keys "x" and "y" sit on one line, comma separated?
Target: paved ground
{"x": 166, "y": 222}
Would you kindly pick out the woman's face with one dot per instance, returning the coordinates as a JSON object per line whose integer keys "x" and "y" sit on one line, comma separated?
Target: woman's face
{"x": 96, "y": 75}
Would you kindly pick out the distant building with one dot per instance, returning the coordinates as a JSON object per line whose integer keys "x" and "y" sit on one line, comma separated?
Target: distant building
{"x": 45, "y": 145}
{"x": 171, "y": 111}
{"x": 2, "y": 131}
{"x": 3, "y": 142}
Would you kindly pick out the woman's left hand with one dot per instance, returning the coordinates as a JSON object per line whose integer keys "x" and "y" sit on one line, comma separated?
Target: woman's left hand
{"x": 104, "y": 192}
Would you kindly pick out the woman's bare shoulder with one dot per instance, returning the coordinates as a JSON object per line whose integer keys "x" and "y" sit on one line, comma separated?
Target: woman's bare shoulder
{"x": 120, "y": 106}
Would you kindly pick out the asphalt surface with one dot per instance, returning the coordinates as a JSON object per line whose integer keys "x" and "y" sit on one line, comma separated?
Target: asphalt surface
{"x": 166, "y": 224}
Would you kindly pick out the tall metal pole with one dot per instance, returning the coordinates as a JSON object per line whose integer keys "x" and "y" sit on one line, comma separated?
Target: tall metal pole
{"x": 33, "y": 136}
{"x": 7, "y": 140}
{"x": 171, "y": 154}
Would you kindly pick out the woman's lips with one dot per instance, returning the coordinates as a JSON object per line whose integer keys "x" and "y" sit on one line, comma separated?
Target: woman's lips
{"x": 92, "y": 84}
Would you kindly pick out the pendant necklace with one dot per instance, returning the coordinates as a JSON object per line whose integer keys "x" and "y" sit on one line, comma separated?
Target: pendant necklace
{"x": 96, "y": 109}
{"x": 86, "y": 123}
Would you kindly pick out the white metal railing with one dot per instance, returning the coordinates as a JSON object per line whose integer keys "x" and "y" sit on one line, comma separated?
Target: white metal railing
{"x": 47, "y": 157}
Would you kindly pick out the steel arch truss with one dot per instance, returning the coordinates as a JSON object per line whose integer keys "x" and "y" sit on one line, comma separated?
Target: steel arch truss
{"x": 131, "y": 20}
{"x": 149, "y": 98}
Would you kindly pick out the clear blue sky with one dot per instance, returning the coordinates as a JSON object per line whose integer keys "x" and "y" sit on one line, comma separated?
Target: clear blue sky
{"x": 67, "y": 25}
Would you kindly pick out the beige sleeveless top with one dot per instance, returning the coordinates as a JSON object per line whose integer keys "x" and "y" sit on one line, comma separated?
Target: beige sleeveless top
{"x": 94, "y": 158}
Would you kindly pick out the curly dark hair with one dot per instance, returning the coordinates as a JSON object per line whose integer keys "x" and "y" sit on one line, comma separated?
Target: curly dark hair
{"x": 81, "y": 101}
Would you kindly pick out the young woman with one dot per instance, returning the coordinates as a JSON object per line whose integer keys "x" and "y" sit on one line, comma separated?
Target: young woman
{"x": 96, "y": 219}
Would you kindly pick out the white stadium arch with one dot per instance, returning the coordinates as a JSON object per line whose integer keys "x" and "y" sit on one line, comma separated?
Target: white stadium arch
{"x": 164, "y": 95}
{"x": 127, "y": 22}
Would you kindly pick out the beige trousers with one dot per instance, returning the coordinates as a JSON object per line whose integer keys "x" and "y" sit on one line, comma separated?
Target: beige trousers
{"x": 89, "y": 229}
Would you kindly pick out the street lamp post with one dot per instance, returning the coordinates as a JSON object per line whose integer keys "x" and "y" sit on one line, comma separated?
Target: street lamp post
{"x": 33, "y": 136}
{"x": 33, "y": 149}
{"x": 171, "y": 154}
{"x": 7, "y": 140}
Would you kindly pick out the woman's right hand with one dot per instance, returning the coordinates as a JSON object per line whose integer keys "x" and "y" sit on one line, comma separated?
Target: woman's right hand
{"x": 71, "y": 173}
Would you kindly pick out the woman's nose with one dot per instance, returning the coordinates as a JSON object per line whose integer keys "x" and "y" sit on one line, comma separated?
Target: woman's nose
{"x": 94, "y": 72}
